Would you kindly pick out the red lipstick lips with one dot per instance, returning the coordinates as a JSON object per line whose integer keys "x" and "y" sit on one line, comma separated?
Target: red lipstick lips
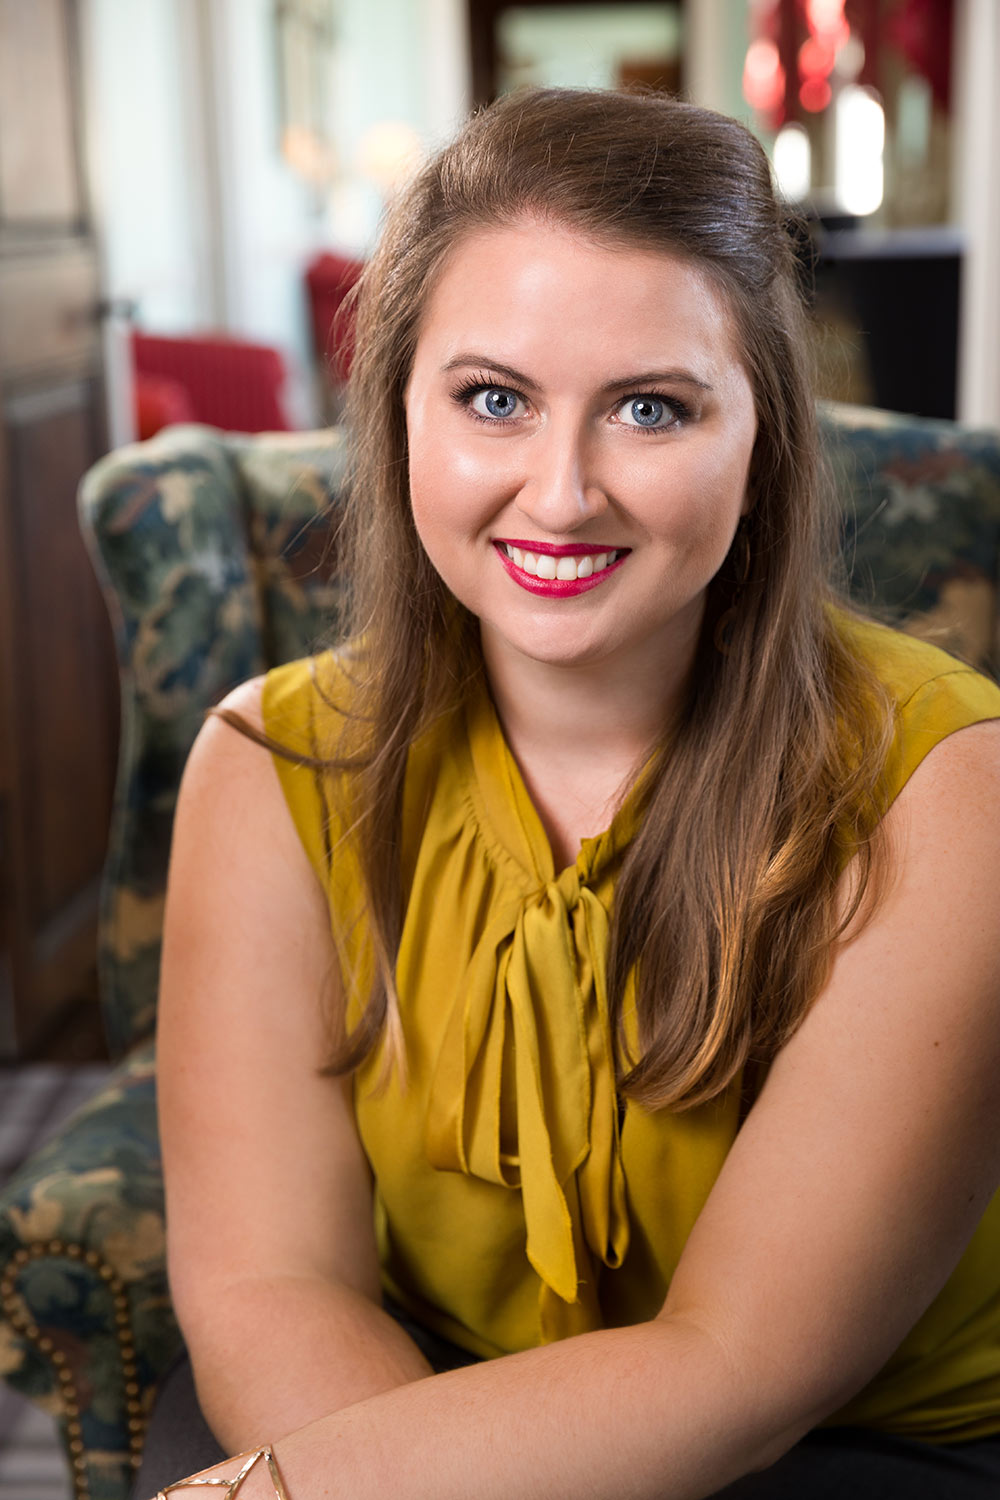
{"x": 557, "y": 588}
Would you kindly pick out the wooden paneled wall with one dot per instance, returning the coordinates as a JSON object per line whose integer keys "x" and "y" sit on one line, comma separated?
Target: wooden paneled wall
{"x": 58, "y": 683}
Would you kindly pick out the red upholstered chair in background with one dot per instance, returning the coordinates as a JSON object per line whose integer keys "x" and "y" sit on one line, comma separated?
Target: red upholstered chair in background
{"x": 228, "y": 383}
{"x": 160, "y": 403}
{"x": 329, "y": 278}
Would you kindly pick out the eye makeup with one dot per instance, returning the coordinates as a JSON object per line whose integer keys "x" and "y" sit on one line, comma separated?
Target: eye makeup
{"x": 465, "y": 392}
{"x": 680, "y": 411}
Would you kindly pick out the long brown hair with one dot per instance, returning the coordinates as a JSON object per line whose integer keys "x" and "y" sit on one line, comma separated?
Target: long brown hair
{"x": 770, "y": 781}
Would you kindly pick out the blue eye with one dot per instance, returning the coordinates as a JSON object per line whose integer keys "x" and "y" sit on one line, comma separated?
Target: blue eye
{"x": 495, "y": 402}
{"x": 649, "y": 413}
{"x": 644, "y": 411}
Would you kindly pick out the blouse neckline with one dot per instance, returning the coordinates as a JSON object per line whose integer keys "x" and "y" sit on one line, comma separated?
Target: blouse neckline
{"x": 513, "y": 818}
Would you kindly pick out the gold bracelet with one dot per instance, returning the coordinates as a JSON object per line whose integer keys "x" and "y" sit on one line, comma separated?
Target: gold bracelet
{"x": 231, "y": 1486}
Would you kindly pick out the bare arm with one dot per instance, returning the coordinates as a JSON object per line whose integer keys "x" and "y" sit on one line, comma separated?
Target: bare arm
{"x": 841, "y": 1211}
{"x": 270, "y": 1242}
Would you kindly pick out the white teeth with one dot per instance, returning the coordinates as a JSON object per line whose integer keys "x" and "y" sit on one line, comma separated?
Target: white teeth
{"x": 565, "y": 569}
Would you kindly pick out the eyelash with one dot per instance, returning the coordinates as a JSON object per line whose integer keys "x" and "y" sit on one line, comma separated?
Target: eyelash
{"x": 463, "y": 394}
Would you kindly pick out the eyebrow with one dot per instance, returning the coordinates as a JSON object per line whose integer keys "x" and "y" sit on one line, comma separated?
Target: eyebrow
{"x": 646, "y": 377}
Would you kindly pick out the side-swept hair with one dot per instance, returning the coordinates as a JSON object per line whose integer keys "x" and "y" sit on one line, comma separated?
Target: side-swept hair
{"x": 769, "y": 783}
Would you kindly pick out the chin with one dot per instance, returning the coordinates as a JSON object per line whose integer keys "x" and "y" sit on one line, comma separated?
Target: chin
{"x": 548, "y": 650}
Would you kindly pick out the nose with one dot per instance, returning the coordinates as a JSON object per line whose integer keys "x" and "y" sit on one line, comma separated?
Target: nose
{"x": 561, "y": 489}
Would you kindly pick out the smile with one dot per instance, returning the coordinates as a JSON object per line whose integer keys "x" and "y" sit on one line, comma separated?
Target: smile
{"x": 559, "y": 571}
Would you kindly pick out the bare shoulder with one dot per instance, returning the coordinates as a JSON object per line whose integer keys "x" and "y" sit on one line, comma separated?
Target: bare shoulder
{"x": 242, "y": 702}
{"x": 235, "y": 843}
{"x": 236, "y": 856}
{"x": 968, "y": 755}
{"x": 228, "y": 758}
{"x": 947, "y": 812}
{"x": 246, "y": 699}
{"x": 930, "y": 956}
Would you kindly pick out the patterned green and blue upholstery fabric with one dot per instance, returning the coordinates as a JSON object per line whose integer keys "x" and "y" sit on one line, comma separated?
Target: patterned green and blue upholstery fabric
{"x": 87, "y": 1328}
{"x": 921, "y": 509}
{"x": 213, "y": 552}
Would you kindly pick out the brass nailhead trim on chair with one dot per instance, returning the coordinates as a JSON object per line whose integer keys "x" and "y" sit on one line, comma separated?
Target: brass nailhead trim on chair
{"x": 13, "y": 1308}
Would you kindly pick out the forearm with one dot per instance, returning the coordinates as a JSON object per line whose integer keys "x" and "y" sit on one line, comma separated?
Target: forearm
{"x": 655, "y": 1412}
{"x": 270, "y": 1356}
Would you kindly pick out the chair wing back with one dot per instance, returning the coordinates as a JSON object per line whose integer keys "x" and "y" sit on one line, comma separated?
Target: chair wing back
{"x": 210, "y": 551}
{"x": 921, "y": 514}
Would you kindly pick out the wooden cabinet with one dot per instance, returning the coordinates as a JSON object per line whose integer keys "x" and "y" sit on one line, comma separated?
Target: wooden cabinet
{"x": 58, "y": 682}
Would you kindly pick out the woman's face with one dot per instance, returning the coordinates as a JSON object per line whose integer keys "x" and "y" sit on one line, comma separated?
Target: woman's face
{"x": 580, "y": 429}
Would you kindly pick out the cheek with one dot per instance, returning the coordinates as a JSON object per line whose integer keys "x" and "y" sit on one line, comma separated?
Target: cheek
{"x": 721, "y": 484}
{"x": 439, "y": 499}
{"x": 702, "y": 538}
{"x": 457, "y": 482}
{"x": 694, "y": 500}
{"x": 427, "y": 472}
{"x": 446, "y": 510}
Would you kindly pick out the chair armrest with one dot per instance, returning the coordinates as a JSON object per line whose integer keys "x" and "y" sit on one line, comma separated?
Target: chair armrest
{"x": 86, "y": 1327}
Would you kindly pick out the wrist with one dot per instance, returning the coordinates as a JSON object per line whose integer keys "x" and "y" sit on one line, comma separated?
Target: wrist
{"x": 253, "y": 1475}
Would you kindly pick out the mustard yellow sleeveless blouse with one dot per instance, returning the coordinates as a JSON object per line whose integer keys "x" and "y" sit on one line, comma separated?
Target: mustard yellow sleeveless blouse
{"x": 512, "y": 1207}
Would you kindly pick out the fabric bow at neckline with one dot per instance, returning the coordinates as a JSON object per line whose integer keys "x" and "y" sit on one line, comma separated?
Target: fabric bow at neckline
{"x": 524, "y": 1087}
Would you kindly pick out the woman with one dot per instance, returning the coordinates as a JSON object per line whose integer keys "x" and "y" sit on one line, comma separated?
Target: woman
{"x": 637, "y": 898}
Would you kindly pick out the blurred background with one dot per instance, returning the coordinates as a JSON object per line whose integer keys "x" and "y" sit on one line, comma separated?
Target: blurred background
{"x": 187, "y": 189}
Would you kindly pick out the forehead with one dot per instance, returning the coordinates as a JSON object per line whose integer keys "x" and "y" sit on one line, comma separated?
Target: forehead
{"x": 547, "y": 289}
